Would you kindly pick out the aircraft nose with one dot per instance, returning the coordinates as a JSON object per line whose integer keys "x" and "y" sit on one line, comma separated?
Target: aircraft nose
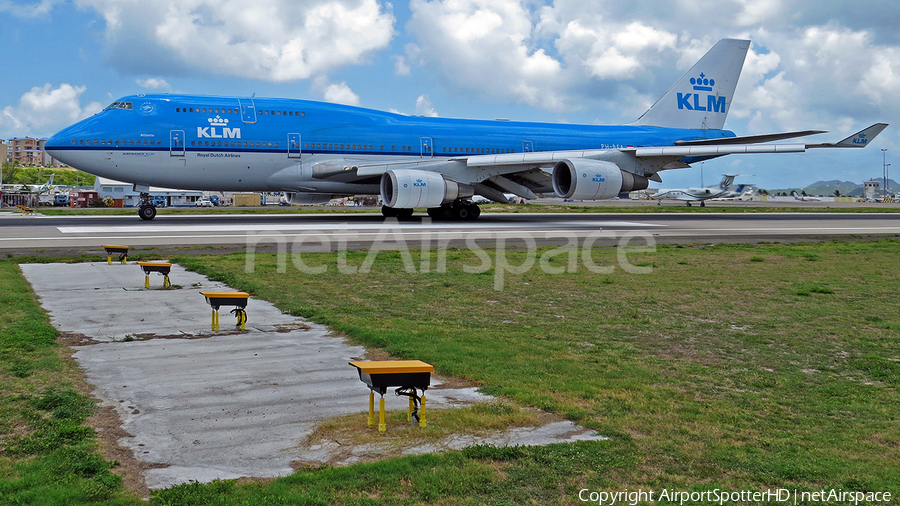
{"x": 54, "y": 142}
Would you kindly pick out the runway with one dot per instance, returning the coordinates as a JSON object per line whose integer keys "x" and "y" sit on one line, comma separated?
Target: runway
{"x": 307, "y": 232}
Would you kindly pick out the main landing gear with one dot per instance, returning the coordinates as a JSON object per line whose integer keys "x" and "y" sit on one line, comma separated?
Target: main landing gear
{"x": 457, "y": 210}
{"x": 147, "y": 210}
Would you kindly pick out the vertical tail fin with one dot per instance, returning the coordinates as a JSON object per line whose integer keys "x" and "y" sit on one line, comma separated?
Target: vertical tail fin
{"x": 702, "y": 97}
{"x": 727, "y": 179}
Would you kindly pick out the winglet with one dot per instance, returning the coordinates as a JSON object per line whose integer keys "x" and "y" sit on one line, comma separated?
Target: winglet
{"x": 860, "y": 139}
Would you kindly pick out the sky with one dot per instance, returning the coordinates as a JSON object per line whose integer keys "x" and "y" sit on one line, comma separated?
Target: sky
{"x": 828, "y": 65}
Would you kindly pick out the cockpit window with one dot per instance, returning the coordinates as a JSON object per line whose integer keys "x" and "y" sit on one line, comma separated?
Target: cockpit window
{"x": 119, "y": 105}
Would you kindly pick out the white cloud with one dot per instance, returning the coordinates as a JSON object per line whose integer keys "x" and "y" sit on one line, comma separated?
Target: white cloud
{"x": 28, "y": 10}
{"x": 274, "y": 40}
{"x": 338, "y": 93}
{"x": 424, "y": 107}
{"x": 44, "y": 109}
{"x": 401, "y": 68}
{"x": 153, "y": 83}
{"x": 485, "y": 46}
{"x": 757, "y": 12}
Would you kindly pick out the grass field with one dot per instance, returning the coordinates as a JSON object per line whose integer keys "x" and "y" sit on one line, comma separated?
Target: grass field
{"x": 737, "y": 367}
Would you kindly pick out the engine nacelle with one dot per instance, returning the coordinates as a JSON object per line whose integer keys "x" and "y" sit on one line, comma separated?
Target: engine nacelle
{"x": 408, "y": 189}
{"x": 308, "y": 199}
{"x": 586, "y": 179}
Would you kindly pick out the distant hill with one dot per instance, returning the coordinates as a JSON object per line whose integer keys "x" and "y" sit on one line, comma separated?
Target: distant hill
{"x": 827, "y": 188}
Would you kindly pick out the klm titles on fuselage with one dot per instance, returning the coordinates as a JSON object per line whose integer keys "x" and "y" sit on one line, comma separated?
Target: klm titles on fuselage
{"x": 210, "y": 132}
{"x": 213, "y": 133}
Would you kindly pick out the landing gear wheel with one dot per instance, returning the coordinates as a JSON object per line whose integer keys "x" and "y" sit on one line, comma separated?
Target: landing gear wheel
{"x": 393, "y": 212}
{"x": 467, "y": 212}
{"x": 702, "y": 204}
{"x": 147, "y": 212}
{"x": 443, "y": 213}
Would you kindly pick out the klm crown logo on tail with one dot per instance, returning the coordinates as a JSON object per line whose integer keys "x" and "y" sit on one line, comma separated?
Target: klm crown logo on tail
{"x": 861, "y": 139}
{"x": 702, "y": 97}
{"x": 695, "y": 102}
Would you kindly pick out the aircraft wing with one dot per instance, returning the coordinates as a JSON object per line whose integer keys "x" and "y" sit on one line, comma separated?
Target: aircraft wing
{"x": 525, "y": 174}
{"x": 685, "y": 149}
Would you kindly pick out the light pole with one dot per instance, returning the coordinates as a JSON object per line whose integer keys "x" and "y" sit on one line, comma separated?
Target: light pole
{"x": 701, "y": 174}
{"x": 886, "y": 165}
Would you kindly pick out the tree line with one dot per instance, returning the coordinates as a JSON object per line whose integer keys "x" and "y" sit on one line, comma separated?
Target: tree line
{"x": 13, "y": 174}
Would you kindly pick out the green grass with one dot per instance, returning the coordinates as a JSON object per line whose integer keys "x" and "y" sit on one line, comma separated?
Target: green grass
{"x": 742, "y": 366}
{"x": 739, "y": 367}
{"x": 47, "y": 452}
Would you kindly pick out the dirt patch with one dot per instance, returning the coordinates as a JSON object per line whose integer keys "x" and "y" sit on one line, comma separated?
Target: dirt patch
{"x": 70, "y": 339}
{"x": 290, "y": 327}
{"x": 108, "y": 426}
{"x": 109, "y": 429}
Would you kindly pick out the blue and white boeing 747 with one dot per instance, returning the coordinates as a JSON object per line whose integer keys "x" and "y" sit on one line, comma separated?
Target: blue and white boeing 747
{"x": 315, "y": 151}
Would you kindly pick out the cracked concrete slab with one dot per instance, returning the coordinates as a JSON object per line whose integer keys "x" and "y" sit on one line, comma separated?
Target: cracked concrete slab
{"x": 200, "y": 405}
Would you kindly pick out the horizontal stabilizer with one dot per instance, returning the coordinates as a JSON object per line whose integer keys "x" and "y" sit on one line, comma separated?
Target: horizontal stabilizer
{"x": 860, "y": 139}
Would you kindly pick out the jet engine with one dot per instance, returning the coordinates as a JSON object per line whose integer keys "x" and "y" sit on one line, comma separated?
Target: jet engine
{"x": 586, "y": 179}
{"x": 408, "y": 189}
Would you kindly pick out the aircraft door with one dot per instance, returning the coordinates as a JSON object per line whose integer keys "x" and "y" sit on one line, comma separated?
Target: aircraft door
{"x": 426, "y": 147}
{"x": 528, "y": 146}
{"x": 293, "y": 146}
{"x": 248, "y": 110}
{"x": 176, "y": 143}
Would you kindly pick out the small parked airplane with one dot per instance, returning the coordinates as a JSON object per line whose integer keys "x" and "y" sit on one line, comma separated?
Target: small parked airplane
{"x": 42, "y": 188}
{"x": 804, "y": 198}
{"x": 318, "y": 151}
{"x": 700, "y": 194}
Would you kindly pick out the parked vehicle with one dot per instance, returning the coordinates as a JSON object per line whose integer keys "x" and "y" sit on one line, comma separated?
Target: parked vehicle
{"x": 203, "y": 202}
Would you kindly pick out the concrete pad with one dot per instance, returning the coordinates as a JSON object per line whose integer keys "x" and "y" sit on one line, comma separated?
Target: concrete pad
{"x": 225, "y": 405}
